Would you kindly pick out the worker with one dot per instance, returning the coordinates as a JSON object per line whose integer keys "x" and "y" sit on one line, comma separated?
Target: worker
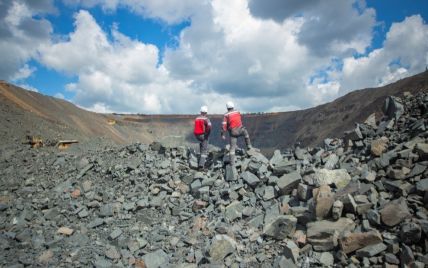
{"x": 202, "y": 131}
{"x": 233, "y": 124}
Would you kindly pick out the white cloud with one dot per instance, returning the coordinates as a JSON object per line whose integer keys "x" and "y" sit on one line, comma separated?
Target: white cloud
{"x": 23, "y": 73}
{"x": 121, "y": 75}
{"x": 333, "y": 27}
{"x": 404, "y": 52}
{"x": 21, "y": 34}
{"x": 169, "y": 11}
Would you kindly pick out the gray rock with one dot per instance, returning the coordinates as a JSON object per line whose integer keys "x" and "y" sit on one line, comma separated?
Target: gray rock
{"x": 271, "y": 213}
{"x": 373, "y": 216}
{"x": 106, "y": 210}
{"x": 3, "y": 206}
{"x": 95, "y": 223}
{"x": 156, "y": 259}
{"x": 422, "y": 185}
{"x": 303, "y": 192}
{"x": 284, "y": 166}
{"x": 324, "y": 200}
{"x": 233, "y": 211}
{"x": 83, "y": 214}
{"x": 87, "y": 186}
{"x": 369, "y": 176}
{"x": 196, "y": 185}
{"x": 395, "y": 212}
{"x": 324, "y": 235}
{"x": 269, "y": 193}
{"x": 371, "y": 250}
{"x": 142, "y": 203}
{"x": 283, "y": 262}
{"x": 418, "y": 169}
{"x": 281, "y": 227}
{"x": 326, "y": 259}
{"x": 291, "y": 251}
{"x": 116, "y": 233}
{"x": 221, "y": 247}
{"x": 422, "y": 150}
{"x": 410, "y": 233}
{"x": 230, "y": 173}
{"x": 288, "y": 182}
{"x": 102, "y": 263}
{"x": 112, "y": 253}
{"x": 391, "y": 258}
{"x": 84, "y": 171}
{"x": 256, "y": 221}
{"x": 337, "y": 209}
{"x": 339, "y": 177}
{"x": 393, "y": 107}
{"x": 331, "y": 161}
{"x": 354, "y": 241}
{"x": 250, "y": 179}
{"x": 300, "y": 153}
{"x": 406, "y": 257}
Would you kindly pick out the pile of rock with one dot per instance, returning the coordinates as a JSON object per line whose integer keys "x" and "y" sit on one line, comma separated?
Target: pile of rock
{"x": 361, "y": 201}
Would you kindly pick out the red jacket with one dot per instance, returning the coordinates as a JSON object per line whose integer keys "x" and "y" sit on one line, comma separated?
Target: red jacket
{"x": 202, "y": 125}
{"x": 231, "y": 120}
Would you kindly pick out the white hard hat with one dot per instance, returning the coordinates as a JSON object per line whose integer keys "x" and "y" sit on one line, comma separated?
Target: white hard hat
{"x": 230, "y": 105}
{"x": 204, "y": 109}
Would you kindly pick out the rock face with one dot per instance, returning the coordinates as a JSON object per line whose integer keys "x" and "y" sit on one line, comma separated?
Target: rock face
{"x": 358, "y": 202}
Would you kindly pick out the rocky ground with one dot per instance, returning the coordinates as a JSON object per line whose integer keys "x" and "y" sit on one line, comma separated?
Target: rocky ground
{"x": 357, "y": 202}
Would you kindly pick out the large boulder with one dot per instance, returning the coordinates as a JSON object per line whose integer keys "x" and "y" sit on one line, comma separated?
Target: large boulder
{"x": 324, "y": 200}
{"x": 280, "y": 227}
{"x": 251, "y": 179}
{"x": 221, "y": 247}
{"x": 323, "y": 235}
{"x": 288, "y": 182}
{"x": 354, "y": 241}
{"x": 393, "y": 107}
{"x": 338, "y": 177}
{"x": 395, "y": 212}
{"x": 156, "y": 259}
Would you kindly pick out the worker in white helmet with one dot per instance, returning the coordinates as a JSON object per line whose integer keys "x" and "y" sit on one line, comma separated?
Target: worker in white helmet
{"x": 202, "y": 130}
{"x": 232, "y": 123}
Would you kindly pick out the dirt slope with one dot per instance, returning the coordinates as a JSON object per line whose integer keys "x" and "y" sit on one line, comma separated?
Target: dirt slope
{"x": 24, "y": 112}
{"x": 30, "y": 113}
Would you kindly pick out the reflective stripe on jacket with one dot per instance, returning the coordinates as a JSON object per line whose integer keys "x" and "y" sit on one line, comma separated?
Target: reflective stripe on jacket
{"x": 231, "y": 120}
{"x": 202, "y": 125}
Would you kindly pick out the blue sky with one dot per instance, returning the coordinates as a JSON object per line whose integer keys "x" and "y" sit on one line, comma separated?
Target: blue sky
{"x": 167, "y": 56}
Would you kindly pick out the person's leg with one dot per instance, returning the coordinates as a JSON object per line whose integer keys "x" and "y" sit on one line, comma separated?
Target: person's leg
{"x": 233, "y": 144}
{"x": 204, "y": 152}
{"x": 246, "y": 137}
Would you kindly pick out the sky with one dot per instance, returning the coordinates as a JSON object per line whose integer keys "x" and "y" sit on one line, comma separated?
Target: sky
{"x": 173, "y": 56}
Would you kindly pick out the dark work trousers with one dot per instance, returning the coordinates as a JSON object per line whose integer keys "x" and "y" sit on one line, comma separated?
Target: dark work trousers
{"x": 235, "y": 133}
{"x": 203, "y": 149}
